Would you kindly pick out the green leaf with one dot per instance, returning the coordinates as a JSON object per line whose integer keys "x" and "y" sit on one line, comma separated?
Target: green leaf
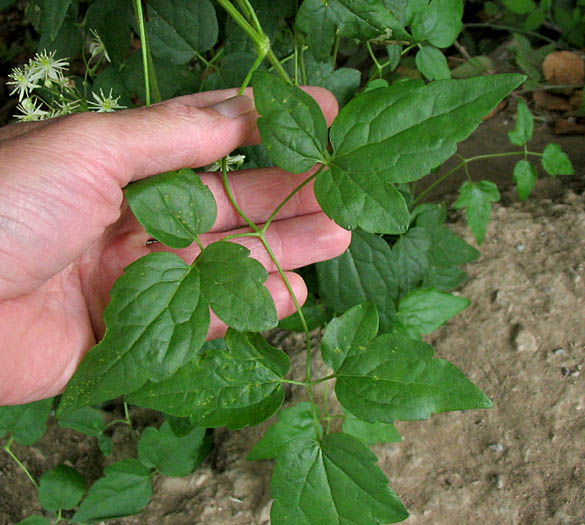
{"x": 525, "y": 177}
{"x": 432, "y": 63}
{"x": 35, "y": 520}
{"x": 361, "y": 274}
{"x": 439, "y": 23}
{"x": 342, "y": 82}
{"x": 173, "y": 207}
{"x": 53, "y": 15}
{"x": 409, "y": 261}
{"x": 448, "y": 249}
{"x": 444, "y": 279}
{"x": 105, "y": 444}
{"x": 112, "y": 23}
{"x": 361, "y": 19}
{"x": 476, "y": 198}
{"x": 475, "y": 66}
{"x": 349, "y": 334}
{"x": 231, "y": 70}
{"x": 173, "y": 80}
{"x": 524, "y": 129}
{"x": 156, "y": 322}
{"x": 61, "y": 488}
{"x": 235, "y": 388}
{"x": 26, "y": 423}
{"x": 67, "y": 42}
{"x": 334, "y": 481}
{"x": 179, "y": 29}
{"x": 422, "y": 311}
{"x": 173, "y": 455}
{"x": 370, "y": 433}
{"x": 294, "y": 423}
{"x": 375, "y": 206}
{"x": 398, "y": 378}
{"x": 555, "y": 161}
{"x": 520, "y": 7}
{"x": 87, "y": 420}
{"x": 232, "y": 283}
{"x": 396, "y": 135}
{"x": 292, "y": 126}
{"x": 6, "y": 3}
{"x": 126, "y": 489}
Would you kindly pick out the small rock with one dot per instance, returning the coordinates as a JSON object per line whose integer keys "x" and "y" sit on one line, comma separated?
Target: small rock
{"x": 520, "y": 247}
{"x": 496, "y": 447}
{"x": 558, "y": 351}
{"x": 524, "y": 341}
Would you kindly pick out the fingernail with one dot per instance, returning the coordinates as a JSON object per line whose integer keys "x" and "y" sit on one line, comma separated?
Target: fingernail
{"x": 235, "y": 106}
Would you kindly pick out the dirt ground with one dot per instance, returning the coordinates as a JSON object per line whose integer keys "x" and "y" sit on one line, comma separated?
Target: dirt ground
{"x": 522, "y": 341}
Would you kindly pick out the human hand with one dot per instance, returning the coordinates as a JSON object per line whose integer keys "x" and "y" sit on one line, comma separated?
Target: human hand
{"x": 66, "y": 232}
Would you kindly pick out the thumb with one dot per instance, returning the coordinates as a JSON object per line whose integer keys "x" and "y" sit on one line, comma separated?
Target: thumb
{"x": 178, "y": 133}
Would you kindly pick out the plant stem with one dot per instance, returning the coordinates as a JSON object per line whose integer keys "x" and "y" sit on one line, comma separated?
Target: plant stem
{"x": 18, "y": 462}
{"x": 145, "y": 63}
{"x": 373, "y": 56}
{"x": 232, "y": 197}
{"x": 464, "y": 162}
{"x": 290, "y": 196}
{"x": 513, "y": 30}
{"x": 254, "y": 67}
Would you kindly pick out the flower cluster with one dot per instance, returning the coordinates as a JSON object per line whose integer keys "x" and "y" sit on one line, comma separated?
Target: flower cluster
{"x": 45, "y": 91}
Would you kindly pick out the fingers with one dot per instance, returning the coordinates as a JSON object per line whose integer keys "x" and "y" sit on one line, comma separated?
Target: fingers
{"x": 281, "y": 296}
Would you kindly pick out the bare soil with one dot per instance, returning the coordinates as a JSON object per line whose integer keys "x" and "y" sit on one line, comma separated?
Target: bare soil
{"x": 522, "y": 341}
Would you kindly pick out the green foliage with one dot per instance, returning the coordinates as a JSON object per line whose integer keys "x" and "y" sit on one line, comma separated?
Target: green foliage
{"x": 26, "y": 424}
{"x": 346, "y": 484}
{"x": 61, "y": 488}
{"x": 126, "y": 489}
{"x": 189, "y": 205}
{"x": 172, "y": 454}
{"x": 477, "y": 199}
{"x": 389, "y": 288}
{"x": 395, "y": 377}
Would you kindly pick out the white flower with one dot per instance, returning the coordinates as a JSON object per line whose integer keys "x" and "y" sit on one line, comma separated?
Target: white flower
{"x": 44, "y": 66}
{"x": 30, "y": 111}
{"x": 233, "y": 162}
{"x": 65, "y": 108}
{"x": 104, "y": 104}
{"x": 23, "y": 81}
{"x": 96, "y": 46}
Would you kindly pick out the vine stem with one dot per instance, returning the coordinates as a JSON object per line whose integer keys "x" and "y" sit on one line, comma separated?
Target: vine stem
{"x": 18, "y": 462}
{"x": 145, "y": 61}
{"x": 464, "y": 163}
{"x": 261, "y": 234}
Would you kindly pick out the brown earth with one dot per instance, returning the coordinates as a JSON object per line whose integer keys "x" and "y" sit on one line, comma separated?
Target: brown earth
{"x": 522, "y": 341}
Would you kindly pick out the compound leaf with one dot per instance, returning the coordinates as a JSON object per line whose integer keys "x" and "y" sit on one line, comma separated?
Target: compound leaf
{"x": 334, "y": 481}
{"x": 555, "y": 161}
{"x": 173, "y": 207}
{"x": 292, "y": 126}
{"x": 26, "y": 423}
{"x": 235, "y": 387}
{"x": 438, "y": 23}
{"x": 173, "y": 455}
{"x": 432, "y": 63}
{"x": 233, "y": 284}
{"x": 349, "y": 334}
{"x": 525, "y": 177}
{"x": 156, "y": 322}
{"x": 126, "y": 489}
{"x": 524, "y": 129}
{"x": 361, "y": 274}
{"x": 398, "y": 378}
{"x": 424, "y": 310}
{"x": 294, "y": 423}
{"x": 476, "y": 198}
{"x": 61, "y": 488}
{"x": 179, "y": 29}
{"x": 370, "y": 433}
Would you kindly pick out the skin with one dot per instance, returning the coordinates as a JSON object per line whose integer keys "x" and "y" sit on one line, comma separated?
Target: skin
{"x": 66, "y": 232}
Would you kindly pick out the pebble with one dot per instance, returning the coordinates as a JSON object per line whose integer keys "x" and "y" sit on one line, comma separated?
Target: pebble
{"x": 524, "y": 341}
{"x": 558, "y": 351}
{"x": 520, "y": 247}
{"x": 496, "y": 447}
